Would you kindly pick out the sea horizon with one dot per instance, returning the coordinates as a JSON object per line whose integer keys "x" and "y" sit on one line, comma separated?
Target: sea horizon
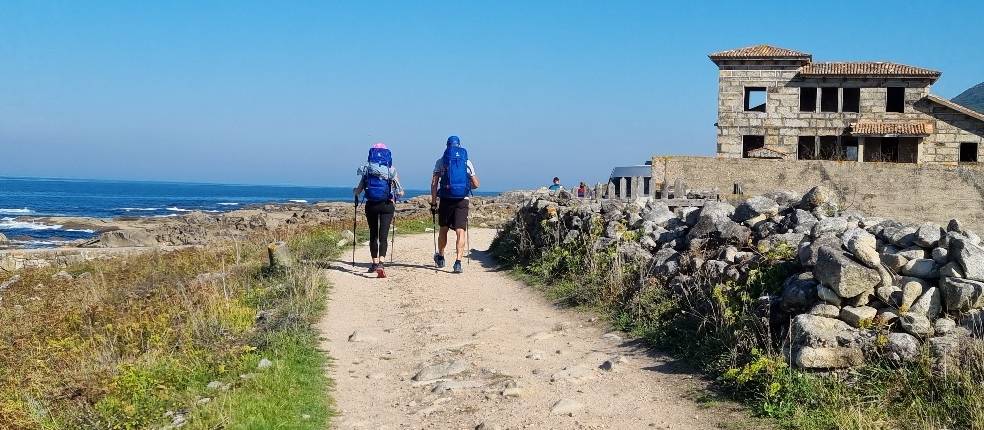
{"x": 23, "y": 200}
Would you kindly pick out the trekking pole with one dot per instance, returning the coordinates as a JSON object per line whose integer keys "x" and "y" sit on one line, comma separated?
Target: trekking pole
{"x": 468, "y": 240}
{"x": 355, "y": 218}
{"x": 434, "y": 230}
{"x": 393, "y": 239}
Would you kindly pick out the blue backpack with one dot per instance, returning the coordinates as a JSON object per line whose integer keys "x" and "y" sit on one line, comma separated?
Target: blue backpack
{"x": 454, "y": 182}
{"x": 377, "y": 174}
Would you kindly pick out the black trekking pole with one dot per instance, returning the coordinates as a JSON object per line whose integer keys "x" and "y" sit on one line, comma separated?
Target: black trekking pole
{"x": 393, "y": 239}
{"x": 355, "y": 219}
{"x": 434, "y": 229}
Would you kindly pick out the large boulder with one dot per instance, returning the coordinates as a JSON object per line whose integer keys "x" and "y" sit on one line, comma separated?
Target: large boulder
{"x": 916, "y": 324}
{"x": 802, "y": 221}
{"x": 962, "y": 294}
{"x": 754, "y": 207}
{"x": 848, "y": 278}
{"x": 902, "y": 347}
{"x": 808, "y": 252}
{"x": 657, "y": 212}
{"x": 127, "y": 238}
{"x": 928, "y": 235}
{"x": 858, "y": 316}
{"x": 799, "y": 292}
{"x": 717, "y": 224}
{"x": 929, "y": 303}
{"x": 830, "y": 225}
{"x": 820, "y": 198}
{"x": 924, "y": 268}
{"x": 814, "y": 343}
{"x": 970, "y": 257}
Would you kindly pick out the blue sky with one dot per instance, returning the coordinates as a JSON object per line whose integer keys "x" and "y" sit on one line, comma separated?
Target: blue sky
{"x": 295, "y": 92}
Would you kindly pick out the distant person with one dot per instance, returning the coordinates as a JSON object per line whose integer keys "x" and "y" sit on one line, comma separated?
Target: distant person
{"x": 556, "y": 185}
{"x": 582, "y": 190}
{"x": 382, "y": 186}
{"x": 453, "y": 180}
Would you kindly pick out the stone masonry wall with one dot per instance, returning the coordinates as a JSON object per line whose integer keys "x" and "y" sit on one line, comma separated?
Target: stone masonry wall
{"x": 782, "y": 123}
{"x": 907, "y": 192}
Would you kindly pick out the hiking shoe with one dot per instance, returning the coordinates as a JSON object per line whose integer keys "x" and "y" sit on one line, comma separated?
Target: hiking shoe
{"x": 439, "y": 261}
{"x": 372, "y": 268}
{"x": 457, "y": 266}
{"x": 380, "y": 273}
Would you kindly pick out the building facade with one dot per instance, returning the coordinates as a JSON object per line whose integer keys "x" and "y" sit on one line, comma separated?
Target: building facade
{"x": 778, "y": 103}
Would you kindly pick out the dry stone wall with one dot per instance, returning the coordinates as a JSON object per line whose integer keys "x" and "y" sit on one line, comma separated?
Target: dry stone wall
{"x": 860, "y": 287}
{"x": 906, "y": 192}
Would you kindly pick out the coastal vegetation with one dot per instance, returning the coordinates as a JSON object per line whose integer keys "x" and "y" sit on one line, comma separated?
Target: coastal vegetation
{"x": 207, "y": 337}
{"x": 723, "y": 326}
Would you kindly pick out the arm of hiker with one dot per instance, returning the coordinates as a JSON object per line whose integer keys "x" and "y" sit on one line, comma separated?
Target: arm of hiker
{"x": 398, "y": 190}
{"x": 472, "y": 176}
{"x": 358, "y": 189}
{"x": 435, "y": 179}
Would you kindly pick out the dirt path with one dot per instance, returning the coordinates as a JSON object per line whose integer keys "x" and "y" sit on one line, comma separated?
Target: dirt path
{"x": 504, "y": 356}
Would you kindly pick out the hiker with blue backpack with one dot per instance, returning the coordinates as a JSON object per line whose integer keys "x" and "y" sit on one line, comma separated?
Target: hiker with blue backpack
{"x": 382, "y": 188}
{"x": 453, "y": 181}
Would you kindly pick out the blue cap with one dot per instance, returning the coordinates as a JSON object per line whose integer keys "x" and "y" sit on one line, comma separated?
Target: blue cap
{"x": 453, "y": 140}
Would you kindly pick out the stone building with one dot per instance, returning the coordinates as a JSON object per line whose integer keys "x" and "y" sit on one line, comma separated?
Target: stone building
{"x": 778, "y": 103}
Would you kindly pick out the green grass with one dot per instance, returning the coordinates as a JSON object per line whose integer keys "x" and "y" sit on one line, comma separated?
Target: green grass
{"x": 290, "y": 394}
{"x": 132, "y": 341}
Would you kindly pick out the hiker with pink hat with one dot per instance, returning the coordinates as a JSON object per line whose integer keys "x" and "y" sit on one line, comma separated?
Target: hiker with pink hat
{"x": 381, "y": 185}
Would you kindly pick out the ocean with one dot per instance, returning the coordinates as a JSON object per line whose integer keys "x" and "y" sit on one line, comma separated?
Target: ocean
{"x": 38, "y": 197}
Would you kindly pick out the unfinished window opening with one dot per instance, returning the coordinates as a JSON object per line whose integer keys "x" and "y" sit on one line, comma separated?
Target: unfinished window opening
{"x": 806, "y": 148}
{"x": 890, "y": 149}
{"x": 828, "y": 148}
{"x": 808, "y": 99}
{"x": 749, "y": 143}
{"x": 755, "y": 99}
{"x": 828, "y": 99}
{"x": 895, "y": 100}
{"x": 849, "y": 148}
{"x": 968, "y": 152}
{"x": 852, "y": 100}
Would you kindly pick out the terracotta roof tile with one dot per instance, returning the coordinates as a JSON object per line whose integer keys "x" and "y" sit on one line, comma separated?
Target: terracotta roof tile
{"x": 957, "y": 107}
{"x": 760, "y": 51}
{"x": 871, "y": 128}
{"x": 766, "y": 153}
{"x": 867, "y": 68}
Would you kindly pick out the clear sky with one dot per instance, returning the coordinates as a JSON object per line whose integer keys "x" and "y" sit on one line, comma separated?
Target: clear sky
{"x": 295, "y": 92}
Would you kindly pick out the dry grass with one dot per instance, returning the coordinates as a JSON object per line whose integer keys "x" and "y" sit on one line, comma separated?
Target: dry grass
{"x": 128, "y": 340}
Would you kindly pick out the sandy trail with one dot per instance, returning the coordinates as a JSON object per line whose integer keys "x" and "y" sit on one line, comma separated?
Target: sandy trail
{"x": 518, "y": 355}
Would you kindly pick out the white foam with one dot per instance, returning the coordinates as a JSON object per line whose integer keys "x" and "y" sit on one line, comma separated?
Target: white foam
{"x": 212, "y": 211}
{"x": 140, "y": 209}
{"x": 177, "y": 209}
{"x": 228, "y": 204}
{"x": 80, "y": 230}
{"x": 12, "y": 224}
{"x": 15, "y": 211}
{"x": 165, "y": 216}
{"x": 39, "y": 242}
{"x": 299, "y": 201}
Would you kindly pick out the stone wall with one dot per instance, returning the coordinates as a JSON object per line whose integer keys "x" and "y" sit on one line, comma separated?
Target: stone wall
{"x": 782, "y": 123}
{"x": 907, "y": 192}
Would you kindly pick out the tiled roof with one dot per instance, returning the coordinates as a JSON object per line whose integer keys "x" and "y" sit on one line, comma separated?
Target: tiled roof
{"x": 766, "y": 153}
{"x": 760, "y": 51}
{"x": 957, "y": 107}
{"x": 871, "y": 128}
{"x": 867, "y": 68}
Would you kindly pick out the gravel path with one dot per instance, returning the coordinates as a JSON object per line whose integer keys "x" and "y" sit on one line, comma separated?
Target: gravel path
{"x": 430, "y": 349}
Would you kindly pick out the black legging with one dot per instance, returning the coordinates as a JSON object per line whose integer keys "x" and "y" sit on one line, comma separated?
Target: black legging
{"x": 379, "y": 215}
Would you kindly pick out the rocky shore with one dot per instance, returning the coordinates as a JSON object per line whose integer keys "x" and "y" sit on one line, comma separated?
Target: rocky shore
{"x": 139, "y": 234}
{"x": 861, "y": 288}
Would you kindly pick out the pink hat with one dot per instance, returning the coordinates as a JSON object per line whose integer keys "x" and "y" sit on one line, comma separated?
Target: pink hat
{"x": 379, "y": 145}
